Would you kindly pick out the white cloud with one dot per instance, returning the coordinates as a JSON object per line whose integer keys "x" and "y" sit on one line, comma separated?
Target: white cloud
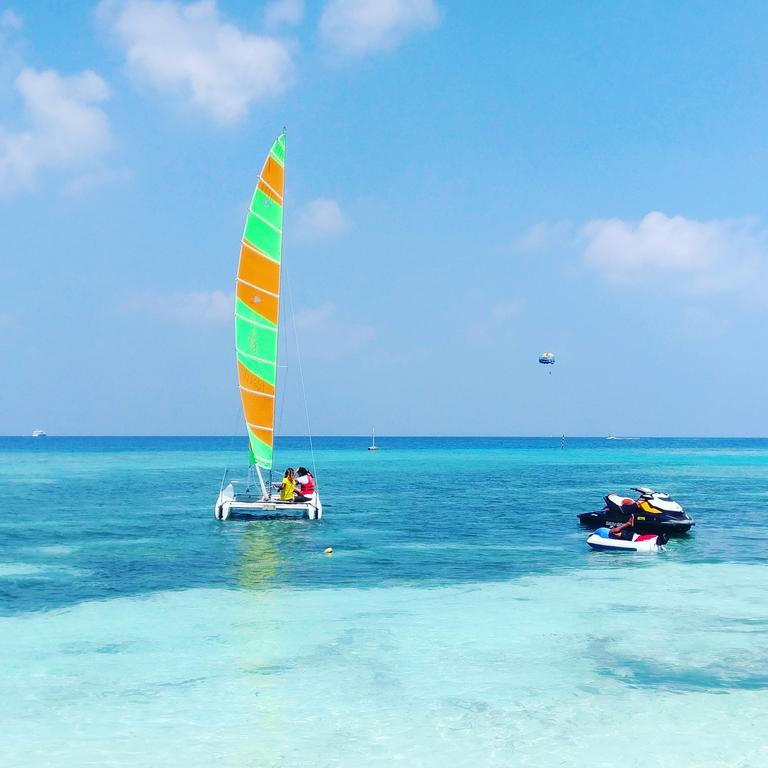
{"x": 193, "y": 308}
{"x": 620, "y": 250}
{"x": 688, "y": 256}
{"x": 66, "y": 128}
{"x": 321, "y": 217}
{"x": 697, "y": 257}
{"x": 357, "y": 27}
{"x": 278, "y": 12}
{"x": 187, "y": 49}
{"x": 324, "y": 336}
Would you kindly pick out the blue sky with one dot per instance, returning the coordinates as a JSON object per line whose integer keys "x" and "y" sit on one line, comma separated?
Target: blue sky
{"x": 467, "y": 187}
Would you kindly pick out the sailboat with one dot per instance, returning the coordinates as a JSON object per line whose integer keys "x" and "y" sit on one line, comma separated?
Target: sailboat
{"x": 257, "y": 304}
{"x": 373, "y": 446}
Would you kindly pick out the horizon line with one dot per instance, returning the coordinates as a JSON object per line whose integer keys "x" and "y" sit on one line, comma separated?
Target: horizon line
{"x": 420, "y": 437}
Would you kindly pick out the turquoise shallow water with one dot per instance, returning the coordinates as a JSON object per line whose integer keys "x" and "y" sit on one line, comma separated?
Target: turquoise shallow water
{"x": 461, "y": 620}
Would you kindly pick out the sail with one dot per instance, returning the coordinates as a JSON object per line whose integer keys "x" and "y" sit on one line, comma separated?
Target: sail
{"x": 257, "y": 303}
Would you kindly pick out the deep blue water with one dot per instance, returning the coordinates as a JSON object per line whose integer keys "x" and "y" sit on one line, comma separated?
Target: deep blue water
{"x": 136, "y": 512}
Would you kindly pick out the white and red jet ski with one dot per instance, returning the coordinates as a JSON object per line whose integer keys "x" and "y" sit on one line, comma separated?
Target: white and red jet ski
{"x": 602, "y": 540}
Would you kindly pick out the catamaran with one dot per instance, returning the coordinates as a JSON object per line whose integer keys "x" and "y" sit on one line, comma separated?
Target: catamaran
{"x": 257, "y": 304}
{"x": 373, "y": 446}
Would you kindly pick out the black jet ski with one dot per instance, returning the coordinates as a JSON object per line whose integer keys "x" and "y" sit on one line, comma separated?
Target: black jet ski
{"x": 654, "y": 512}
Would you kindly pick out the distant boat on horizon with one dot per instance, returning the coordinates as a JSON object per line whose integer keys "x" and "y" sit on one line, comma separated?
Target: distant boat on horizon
{"x": 39, "y": 433}
{"x": 613, "y": 437}
{"x": 373, "y": 446}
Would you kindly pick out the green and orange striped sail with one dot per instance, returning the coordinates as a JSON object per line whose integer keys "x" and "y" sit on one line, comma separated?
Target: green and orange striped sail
{"x": 257, "y": 305}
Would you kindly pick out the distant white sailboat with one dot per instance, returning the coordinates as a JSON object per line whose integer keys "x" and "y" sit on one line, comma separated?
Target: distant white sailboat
{"x": 373, "y": 446}
{"x": 39, "y": 433}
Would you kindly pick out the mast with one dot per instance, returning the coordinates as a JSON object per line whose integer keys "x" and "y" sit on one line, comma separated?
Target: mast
{"x": 282, "y": 137}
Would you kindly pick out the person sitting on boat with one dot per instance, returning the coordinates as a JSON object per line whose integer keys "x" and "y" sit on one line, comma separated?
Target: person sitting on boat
{"x": 625, "y": 530}
{"x": 306, "y": 484}
{"x": 288, "y": 487}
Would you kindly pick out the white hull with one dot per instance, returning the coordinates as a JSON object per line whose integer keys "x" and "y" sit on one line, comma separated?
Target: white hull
{"x": 638, "y": 544}
{"x": 229, "y": 502}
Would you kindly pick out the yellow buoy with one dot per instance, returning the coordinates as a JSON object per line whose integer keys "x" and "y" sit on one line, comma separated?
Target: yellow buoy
{"x": 328, "y": 551}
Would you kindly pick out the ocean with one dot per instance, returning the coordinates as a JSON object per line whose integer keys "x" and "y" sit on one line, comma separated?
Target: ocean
{"x": 461, "y": 620}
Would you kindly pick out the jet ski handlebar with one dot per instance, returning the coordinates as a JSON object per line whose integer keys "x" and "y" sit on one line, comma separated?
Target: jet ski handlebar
{"x": 649, "y": 493}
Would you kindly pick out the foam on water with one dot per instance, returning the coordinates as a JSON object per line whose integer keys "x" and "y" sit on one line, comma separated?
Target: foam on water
{"x": 55, "y": 549}
{"x": 8, "y": 570}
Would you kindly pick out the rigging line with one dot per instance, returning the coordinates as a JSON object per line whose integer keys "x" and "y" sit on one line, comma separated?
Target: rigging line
{"x": 284, "y": 388}
{"x": 301, "y": 379}
{"x": 237, "y": 422}
{"x": 238, "y": 419}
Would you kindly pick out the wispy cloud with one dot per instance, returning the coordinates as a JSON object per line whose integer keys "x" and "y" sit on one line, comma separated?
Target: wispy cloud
{"x": 12, "y": 47}
{"x": 193, "y": 308}
{"x": 9, "y": 19}
{"x": 486, "y": 329}
{"x": 321, "y": 217}
{"x": 283, "y": 12}
{"x": 698, "y": 257}
{"x": 87, "y": 182}
{"x": 325, "y": 336}
{"x": 689, "y": 256}
{"x": 359, "y": 27}
{"x": 545, "y": 235}
{"x": 65, "y": 126}
{"x": 189, "y": 51}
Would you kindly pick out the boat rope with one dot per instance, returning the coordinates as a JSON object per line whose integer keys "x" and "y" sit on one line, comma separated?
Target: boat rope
{"x": 301, "y": 379}
{"x": 283, "y": 389}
